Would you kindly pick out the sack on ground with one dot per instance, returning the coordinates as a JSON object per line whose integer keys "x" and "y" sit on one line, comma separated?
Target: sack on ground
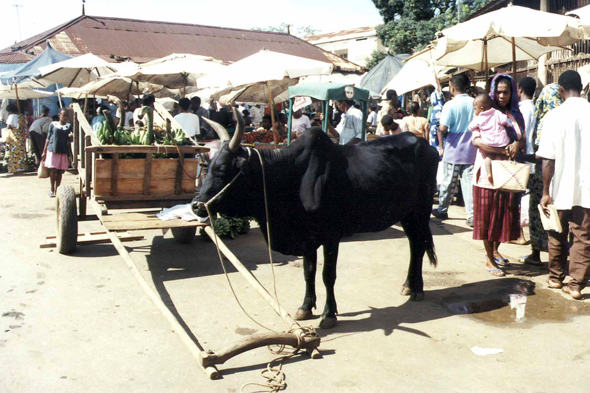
{"x": 42, "y": 172}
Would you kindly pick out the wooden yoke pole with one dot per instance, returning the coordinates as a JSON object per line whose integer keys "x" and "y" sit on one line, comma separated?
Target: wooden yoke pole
{"x": 309, "y": 343}
{"x": 272, "y": 116}
{"x": 194, "y": 348}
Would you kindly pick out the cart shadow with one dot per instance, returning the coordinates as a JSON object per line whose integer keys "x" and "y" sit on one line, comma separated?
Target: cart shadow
{"x": 472, "y": 298}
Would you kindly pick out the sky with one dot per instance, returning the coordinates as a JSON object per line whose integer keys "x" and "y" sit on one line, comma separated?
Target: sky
{"x": 36, "y": 16}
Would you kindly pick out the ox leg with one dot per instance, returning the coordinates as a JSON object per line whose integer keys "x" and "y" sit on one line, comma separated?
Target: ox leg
{"x": 328, "y": 319}
{"x": 309, "y": 270}
{"x": 415, "y": 231}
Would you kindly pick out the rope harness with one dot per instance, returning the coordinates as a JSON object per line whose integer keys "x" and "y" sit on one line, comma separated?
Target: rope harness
{"x": 275, "y": 377}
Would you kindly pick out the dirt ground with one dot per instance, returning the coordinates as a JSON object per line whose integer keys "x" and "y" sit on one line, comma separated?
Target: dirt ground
{"x": 81, "y": 323}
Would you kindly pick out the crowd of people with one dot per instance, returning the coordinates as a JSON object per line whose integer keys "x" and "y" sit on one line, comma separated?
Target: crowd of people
{"x": 470, "y": 132}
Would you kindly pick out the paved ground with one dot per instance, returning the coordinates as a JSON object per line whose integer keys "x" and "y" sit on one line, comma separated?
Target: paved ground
{"x": 80, "y": 323}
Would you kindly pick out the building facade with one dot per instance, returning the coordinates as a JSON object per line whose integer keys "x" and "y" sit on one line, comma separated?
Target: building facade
{"x": 356, "y": 45}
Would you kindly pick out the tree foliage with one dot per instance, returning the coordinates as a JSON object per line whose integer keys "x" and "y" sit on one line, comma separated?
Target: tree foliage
{"x": 374, "y": 59}
{"x": 299, "y": 31}
{"x": 410, "y": 25}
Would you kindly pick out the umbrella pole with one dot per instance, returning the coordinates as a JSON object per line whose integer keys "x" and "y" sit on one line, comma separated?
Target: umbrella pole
{"x": 17, "y": 100}
{"x": 485, "y": 56}
{"x": 513, "y": 58}
{"x": 272, "y": 115}
{"x": 86, "y": 95}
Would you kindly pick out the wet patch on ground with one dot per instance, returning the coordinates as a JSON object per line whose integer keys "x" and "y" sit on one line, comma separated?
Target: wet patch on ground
{"x": 495, "y": 304}
{"x": 245, "y": 331}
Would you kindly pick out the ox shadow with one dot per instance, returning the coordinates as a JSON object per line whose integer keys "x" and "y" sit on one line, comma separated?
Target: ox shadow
{"x": 468, "y": 299}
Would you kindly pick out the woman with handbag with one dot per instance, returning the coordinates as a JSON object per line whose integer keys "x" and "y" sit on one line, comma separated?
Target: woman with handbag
{"x": 55, "y": 153}
{"x": 496, "y": 213}
{"x": 16, "y": 141}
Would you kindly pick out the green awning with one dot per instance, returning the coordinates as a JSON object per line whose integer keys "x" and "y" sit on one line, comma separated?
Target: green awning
{"x": 327, "y": 91}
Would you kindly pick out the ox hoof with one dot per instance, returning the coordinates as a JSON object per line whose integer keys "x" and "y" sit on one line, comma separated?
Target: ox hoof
{"x": 417, "y": 296}
{"x": 406, "y": 291}
{"x": 303, "y": 315}
{"x": 327, "y": 322}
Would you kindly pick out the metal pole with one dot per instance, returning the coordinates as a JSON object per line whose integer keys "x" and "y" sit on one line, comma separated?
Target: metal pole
{"x": 290, "y": 121}
{"x": 17, "y": 6}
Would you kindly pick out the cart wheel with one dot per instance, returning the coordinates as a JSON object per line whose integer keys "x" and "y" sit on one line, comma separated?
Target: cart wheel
{"x": 67, "y": 221}
{"x": 184, "y": 235}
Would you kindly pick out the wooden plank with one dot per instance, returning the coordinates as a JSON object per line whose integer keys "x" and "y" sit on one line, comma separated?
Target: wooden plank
{"x": 107, "y": 198}
{"x": 93, "y": 238}
{"x": 145, "y": 204}
{"x": 114, "y": 174}
{"x": 88, "y": 170}
{"x": 76, "y": 141}
{"x": 147, "y": 181}
{"x": 144, "y": 221}
{"x": 86, "y": 128}
{"x": 170, "y": 149}
{"x": 178, "y": 180}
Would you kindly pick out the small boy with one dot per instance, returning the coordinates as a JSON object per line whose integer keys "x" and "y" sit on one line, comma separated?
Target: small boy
{"x": 490, "y": 123}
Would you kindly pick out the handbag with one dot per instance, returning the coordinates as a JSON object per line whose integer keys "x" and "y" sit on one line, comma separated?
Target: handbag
{"x": 508, "y": 176}
{"x": 43, "y": 171}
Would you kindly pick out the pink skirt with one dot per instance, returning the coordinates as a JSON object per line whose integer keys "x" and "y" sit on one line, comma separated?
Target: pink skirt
{"x": 56, "y": 161}
{"x": 496, "y": 215}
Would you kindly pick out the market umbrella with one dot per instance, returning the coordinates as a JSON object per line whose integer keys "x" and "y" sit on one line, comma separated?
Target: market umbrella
{"x": 176, "y": 71}
{"x": 380, "y": 75}
{"x": 10, "y": 92}
{"x": 76, "y": 72}
{"x": 28, "y": 72}
{"x": 507, "y": 35}
{"x": 263, "y": 70}
{"x": 118, "y": 86}
{"x": 417, "y": 73}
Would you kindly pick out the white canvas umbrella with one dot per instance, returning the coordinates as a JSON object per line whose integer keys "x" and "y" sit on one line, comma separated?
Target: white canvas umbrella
{"x": 10, "y": 92}
{"x": 264, "y": 69}
{"x": 507, "y": 35}
{"x": 419, "y": 70}
{"x": 77, "y": 71}
{"x": 116, "y": 86}
{"x": 177, "y": 71}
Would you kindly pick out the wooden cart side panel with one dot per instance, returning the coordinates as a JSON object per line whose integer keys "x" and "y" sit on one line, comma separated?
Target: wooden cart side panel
{"x": 132, "y": 178}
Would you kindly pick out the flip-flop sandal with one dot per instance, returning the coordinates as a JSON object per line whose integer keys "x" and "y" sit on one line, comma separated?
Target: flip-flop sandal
{"x": 502, "y": 262}
{"x": 496, "y": 272}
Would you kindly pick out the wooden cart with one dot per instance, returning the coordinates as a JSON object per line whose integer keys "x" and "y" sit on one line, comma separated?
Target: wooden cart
{"x": 109, "y": 183}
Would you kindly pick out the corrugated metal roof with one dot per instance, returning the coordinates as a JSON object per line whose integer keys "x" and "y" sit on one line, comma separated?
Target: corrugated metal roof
{"x": 146, "y": 40}
{"x": 16, "y": 57}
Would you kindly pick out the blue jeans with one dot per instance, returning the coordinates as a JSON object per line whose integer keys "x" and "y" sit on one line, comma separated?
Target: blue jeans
{"x": 448, "y": 187}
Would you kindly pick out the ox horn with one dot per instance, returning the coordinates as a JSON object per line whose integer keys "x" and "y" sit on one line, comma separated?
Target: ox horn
{"x": 218, "y": 128}
{"x": 234, "y": 144}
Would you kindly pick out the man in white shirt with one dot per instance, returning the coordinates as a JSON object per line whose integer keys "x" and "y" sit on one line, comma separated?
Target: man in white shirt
{"x": 349, "y": 130}
{"x": 526, "y": 91}
{"x": 564, "y": 149}
{"x": 299, "y": 123}
{"x": 255, "y": 114}
{"x": 187, "y": 119}
{"x": 372, "y": 119}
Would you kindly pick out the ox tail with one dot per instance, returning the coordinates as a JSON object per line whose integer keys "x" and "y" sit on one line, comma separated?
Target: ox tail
{"x": 430, "y": 251}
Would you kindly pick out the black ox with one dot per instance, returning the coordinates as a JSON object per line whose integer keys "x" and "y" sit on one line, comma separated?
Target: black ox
{"x": 319, "y": 192}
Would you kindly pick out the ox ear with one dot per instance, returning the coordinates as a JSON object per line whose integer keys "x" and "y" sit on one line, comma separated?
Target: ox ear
{"x": 314, "y": 180}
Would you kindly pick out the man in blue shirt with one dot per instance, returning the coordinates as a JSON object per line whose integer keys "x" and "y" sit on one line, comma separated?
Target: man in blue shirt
{"x": 458, "y": 153}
